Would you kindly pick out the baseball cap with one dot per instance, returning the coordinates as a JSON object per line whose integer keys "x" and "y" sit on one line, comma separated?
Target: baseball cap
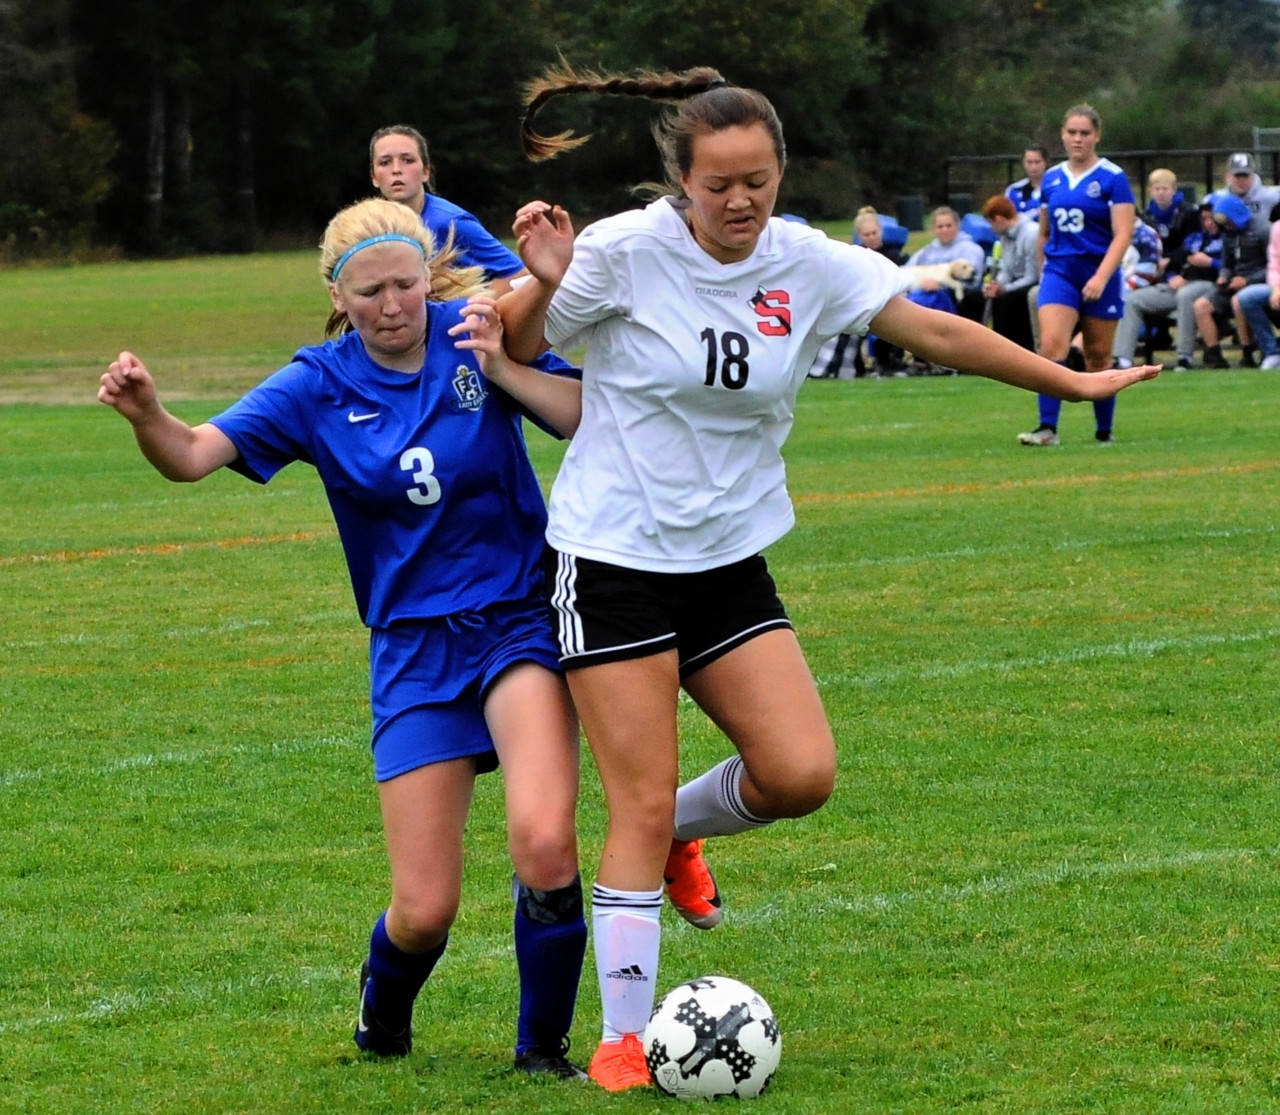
{"x": 1240, "y": 163}
{"x": 1231, "y": 208}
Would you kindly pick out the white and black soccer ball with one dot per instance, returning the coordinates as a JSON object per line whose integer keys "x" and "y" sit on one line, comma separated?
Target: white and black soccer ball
{"x": 711, "y": 1037}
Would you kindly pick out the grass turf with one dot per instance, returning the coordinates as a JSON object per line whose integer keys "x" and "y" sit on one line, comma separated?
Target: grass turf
{"x": 1047, "y": 881}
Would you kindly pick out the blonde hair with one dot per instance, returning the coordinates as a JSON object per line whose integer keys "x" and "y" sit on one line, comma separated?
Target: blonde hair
{"x": 375, "y": 217}
{"x": 866, "y": 215}
{"x": 1161, "y": 176}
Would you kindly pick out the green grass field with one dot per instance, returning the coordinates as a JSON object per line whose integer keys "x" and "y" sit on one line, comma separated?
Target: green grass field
{"x": 1049, "y": 879}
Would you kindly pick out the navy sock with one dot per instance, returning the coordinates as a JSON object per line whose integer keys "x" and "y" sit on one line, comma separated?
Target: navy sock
{"x": 396, "y": 977}
{"x": 551, "y": 938}
{"x": 1050, "y": 408}
{"x": 1104, "y": 411}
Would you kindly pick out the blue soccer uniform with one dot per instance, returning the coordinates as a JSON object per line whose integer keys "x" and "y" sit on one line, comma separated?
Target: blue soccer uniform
{"x": 478, "y": 247}
{"x": 1078, "y": 211}
{"x": 439, "y": 512}
{"x": 1025, "y": 196}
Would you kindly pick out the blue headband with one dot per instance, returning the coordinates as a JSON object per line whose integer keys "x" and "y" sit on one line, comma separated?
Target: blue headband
{"x": 342, "y": 259}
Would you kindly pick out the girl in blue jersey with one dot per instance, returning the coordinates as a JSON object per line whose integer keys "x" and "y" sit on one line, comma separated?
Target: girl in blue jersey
{"x": 400, "y": 168}
{"x": 1086, "y": 224}
{"x": 441, "y": 519}
{"x": 1025, "y": 192}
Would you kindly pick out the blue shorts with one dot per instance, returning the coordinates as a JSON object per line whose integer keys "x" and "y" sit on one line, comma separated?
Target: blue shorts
{"x": 428, "y": 681}
{"x": 1064, "y": 276}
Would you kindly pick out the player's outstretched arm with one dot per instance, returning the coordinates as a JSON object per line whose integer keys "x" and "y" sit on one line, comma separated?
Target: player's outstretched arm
{"x": 178, "y": 451}
{"x": 957, "y": 342}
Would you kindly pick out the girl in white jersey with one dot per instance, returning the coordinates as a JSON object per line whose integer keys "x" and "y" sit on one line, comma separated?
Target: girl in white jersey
{"x": 701, "y": 316}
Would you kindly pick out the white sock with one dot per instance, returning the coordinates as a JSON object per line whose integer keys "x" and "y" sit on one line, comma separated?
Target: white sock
{"x": 711, "y": 805}
{"x": 626, "y": 929}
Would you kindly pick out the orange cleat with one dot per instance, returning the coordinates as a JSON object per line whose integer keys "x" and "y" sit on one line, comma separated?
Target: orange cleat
{"x": 619, "y": 1065}
{"x": 691, "y": 886}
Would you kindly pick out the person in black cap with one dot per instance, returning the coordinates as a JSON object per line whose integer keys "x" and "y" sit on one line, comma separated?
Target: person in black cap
{"x": 1243, "y": 181}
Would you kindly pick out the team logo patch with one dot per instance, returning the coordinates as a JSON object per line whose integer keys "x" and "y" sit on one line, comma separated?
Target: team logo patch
{"x": 1094, "y": 189}
{"x": 773, "y": 308}
{"x": 469, "y": 388}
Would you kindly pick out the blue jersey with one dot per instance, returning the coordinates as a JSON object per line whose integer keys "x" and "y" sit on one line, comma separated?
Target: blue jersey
{"x": 1025, "y": 196}
{"x": 1079, "y": 209}
{"x": 478, "y": 247}
{"x": 435, "y": 501}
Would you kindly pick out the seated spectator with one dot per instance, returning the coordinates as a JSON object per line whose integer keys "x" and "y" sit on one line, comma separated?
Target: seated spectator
{"x": 1243, "y": 181}
{"x": 1025, "y": 192}
{"x": 1169, "y": 213}
{"x": 841, "y": 357}
{"x": 1244, "y": 262}
{"x": 948, "y": 244}
{"x": 1192, "y": 271}
{"x": 888, "y": 358}
{"x": 1258, "y": 306}
{"x": 1141, "y": 263}
{"x": 1018, "y": 269}
{"x": 869, "y": 230}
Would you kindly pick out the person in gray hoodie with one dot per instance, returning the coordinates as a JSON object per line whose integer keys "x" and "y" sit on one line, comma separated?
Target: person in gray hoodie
{"x": 1244, "y": 262}
{"x": 1018, "y": 270}
{"x": 1244, "y": 183}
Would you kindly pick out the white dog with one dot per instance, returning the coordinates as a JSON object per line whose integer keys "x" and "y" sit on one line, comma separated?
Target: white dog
{"x": 951, "y": 275}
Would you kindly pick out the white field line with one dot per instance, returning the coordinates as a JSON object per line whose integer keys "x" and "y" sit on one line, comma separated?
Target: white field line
{"x": 89, "y": 638}
{"x": 1009, "y": 883}
{"x": 1129, "y": 649}
{"x": 497, "y": 945}
{"x": 147, "y": 760}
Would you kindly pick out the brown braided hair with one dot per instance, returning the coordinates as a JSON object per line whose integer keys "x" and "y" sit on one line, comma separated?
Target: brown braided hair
{"x": 704, "y": 102}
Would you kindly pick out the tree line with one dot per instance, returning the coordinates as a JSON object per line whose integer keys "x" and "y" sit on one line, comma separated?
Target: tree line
{"x": 159, "y": 128}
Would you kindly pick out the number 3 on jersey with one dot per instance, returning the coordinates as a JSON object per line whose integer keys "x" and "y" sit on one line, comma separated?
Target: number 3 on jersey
{"x": 726, "y": 359}
{"x": 421, "y": 464}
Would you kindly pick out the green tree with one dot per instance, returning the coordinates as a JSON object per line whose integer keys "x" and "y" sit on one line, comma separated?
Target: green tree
{"x": 54, "y": 159}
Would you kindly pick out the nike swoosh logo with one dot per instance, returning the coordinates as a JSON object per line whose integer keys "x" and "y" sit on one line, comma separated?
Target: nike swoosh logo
{"x": 352, "y": 416}
{"x": 361, "y": 1025}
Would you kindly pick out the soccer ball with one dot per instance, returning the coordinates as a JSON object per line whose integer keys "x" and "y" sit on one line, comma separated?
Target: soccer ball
{"x": 712, "y": 1037}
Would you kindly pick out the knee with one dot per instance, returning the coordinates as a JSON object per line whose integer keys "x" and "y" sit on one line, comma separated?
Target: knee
{"x": 801, "y": 788}
{"x": 418, "y": 923}
{"x": 544, "y": 856}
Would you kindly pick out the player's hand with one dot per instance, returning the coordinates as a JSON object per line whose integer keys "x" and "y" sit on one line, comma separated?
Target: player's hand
{"x": 1102, "y": 385}
{"x": 544, "y": 240}
{"x": 1092, "y": 290}
{"x": 480, "y": 331}
{"x": 128, "y": 387}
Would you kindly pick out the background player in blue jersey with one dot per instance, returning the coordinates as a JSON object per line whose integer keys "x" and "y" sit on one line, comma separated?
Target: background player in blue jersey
{"x": 400, "y": 167}
{"x": 1025, "y": 192}
{"x": 441, "y": 519}
{"x": 1086, "y": 224}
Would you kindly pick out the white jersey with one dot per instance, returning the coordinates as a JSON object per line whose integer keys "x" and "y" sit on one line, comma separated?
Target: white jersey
{"x": 690, "y": 381}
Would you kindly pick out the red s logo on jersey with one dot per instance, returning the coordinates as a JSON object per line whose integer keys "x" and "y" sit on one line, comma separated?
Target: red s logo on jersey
{"x": 771, "y": 306}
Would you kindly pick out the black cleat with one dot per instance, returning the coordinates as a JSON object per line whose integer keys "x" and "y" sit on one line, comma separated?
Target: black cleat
{"x": 371, "y": 1036}
{"x": 549, "y": 1062}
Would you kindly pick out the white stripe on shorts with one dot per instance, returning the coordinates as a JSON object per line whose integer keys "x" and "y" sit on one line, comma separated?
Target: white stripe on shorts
{"x": 564, "y": 599}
